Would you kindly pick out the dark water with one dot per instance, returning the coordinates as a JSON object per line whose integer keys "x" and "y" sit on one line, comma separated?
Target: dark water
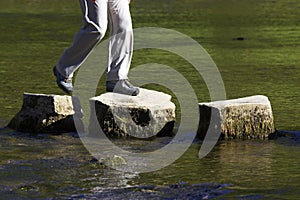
{"x": 255, "y": 44}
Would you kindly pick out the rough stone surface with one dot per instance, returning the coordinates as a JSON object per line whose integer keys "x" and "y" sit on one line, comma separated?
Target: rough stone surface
{"x": 148, "y": 114}
{"x": 246, "y": 118}
{"x": 44, "y": 113}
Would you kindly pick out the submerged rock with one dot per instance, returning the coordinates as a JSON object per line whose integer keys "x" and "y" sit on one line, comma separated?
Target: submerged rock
{"x": 249, "y": 117}
{"x": 45, "y": 113}
{"x": 291, "y": 135}
{"x": 148, "y": 114}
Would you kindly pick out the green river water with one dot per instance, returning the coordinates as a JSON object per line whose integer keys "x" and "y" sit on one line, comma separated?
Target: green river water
{"x": 255, "y": 45}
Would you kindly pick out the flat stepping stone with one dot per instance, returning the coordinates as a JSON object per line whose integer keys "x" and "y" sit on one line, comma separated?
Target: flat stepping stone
{"x": 246, "y": 118}
{"x": 44, "y": 113}
{"x": 149, "y": 114}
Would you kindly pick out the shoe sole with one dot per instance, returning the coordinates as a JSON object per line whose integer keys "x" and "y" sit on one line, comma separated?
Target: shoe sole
{"x": 59, "y": 85}
{"x": 135, "y": 93}
{"x": 111, "y": 88}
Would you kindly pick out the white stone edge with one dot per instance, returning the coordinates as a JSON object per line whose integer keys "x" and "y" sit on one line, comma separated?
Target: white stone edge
{"x": 255, "y": 99}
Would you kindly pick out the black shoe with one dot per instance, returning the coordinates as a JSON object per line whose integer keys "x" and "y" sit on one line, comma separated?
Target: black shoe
{"x": 122, "y": 87}
{"x": 64, "y": 83}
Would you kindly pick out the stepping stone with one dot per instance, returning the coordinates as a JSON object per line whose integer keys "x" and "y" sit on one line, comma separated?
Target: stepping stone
{"x": 42, "y": 113}
{"x": 246, "y": 118}
{"x": 151, "y": 113}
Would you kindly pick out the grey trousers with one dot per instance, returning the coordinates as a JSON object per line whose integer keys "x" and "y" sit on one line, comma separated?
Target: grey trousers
{"x": 96, "y": 14}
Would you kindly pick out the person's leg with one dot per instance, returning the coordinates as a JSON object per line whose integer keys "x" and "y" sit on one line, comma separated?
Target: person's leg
{"x": 92, "y": 31}
{"x": 120, "y": 49}
{"x": 121, "y": 40}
